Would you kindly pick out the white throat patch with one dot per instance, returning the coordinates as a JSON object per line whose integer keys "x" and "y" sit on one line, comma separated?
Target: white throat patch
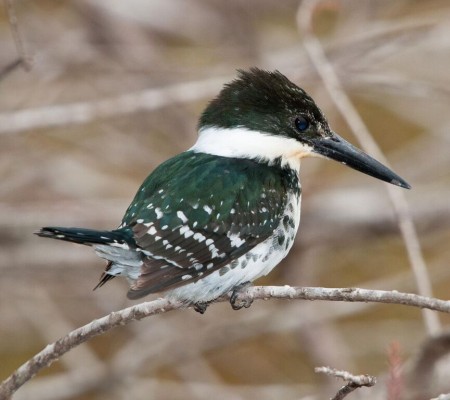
{"x": 245, "y": 143}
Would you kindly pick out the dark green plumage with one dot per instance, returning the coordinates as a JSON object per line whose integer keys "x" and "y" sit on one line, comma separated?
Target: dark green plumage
{"x": 219, "y": 198}
{"x": 264, "y": 101}
{"x": 191, "y": 180}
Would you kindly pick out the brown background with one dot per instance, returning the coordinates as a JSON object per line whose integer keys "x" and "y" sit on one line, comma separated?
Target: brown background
{"x": 66, "y": 160}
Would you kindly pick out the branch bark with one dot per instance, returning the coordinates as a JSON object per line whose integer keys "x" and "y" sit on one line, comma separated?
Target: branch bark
{"x": 123, "y": 317}
{"x": 354, "y": 381}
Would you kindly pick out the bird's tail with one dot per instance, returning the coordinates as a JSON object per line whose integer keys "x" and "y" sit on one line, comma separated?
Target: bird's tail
{"x": 85, "y": 236}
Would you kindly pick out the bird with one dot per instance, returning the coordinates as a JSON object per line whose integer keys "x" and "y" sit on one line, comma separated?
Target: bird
{"x": 211, "y": 220}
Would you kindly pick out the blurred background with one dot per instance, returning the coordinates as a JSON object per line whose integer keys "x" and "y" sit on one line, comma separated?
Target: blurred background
{"x": 115, "y": 89}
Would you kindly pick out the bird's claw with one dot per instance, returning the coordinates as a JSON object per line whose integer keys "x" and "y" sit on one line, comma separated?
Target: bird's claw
{"x": 237, "y": 300}
{"x": 201, "y": 306}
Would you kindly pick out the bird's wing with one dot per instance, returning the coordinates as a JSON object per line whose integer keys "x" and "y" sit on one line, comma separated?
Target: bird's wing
{"x": 197, "y": 213}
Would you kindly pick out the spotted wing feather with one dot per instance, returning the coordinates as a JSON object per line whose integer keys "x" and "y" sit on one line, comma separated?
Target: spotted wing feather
{"x": 198, "y": 213}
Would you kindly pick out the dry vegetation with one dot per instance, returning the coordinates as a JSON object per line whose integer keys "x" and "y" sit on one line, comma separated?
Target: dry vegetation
{"x": 115, "y": 88}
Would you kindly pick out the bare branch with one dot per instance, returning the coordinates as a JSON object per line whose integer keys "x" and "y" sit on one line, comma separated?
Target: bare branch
{"x": 123, "y": 317}
{"x": 343, "y": 294}
{"x": 354, "y": 381}
{"x": 24, "y": 58}
{"x": 83, "y": 112}
{"x": 348, "y": 111}
{"x": 55, "y": 350}
{"x": 7, "y": 69}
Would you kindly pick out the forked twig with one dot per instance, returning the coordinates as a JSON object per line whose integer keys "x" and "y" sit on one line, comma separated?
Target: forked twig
{"x": 353, "y": 381}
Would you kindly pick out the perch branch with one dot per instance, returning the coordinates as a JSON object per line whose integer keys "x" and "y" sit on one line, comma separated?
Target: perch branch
{"x": 123, "y": 317}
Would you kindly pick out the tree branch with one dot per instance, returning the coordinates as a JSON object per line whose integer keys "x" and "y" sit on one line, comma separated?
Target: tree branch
{"x": 7, "y": 69}
{"x": 123, "y": 317}
{"x": 25, "y": 59}
{"x": 86, "y": 111}
{"x": 354, "y": 381}
{"x": 350, "y": 114}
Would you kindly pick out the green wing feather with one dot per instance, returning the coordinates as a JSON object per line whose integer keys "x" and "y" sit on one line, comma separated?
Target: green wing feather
{"x": 199, "y": 212}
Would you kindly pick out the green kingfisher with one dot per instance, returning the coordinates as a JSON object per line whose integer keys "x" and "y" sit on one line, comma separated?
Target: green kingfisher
{"x": 225, "y": 212}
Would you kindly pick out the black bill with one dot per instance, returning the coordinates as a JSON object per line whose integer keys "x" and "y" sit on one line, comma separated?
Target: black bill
{"x": 336, "y": 148}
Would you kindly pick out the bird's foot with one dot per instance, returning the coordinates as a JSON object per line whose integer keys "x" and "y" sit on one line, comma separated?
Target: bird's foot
{"x": 237, "y": 301}
{"x": 201, "y": 306}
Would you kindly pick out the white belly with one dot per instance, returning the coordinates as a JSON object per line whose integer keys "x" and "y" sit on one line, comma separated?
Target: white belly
{"x": 251, "y": 266}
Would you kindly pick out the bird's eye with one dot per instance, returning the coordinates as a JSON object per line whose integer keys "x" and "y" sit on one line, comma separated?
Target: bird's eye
{"x": 302, "y": 124}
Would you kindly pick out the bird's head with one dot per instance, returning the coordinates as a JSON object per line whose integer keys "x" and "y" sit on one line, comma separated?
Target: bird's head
{"x": 263, "y": 115}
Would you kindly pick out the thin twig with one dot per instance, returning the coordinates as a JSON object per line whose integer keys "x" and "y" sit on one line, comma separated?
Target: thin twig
{"x": 83, "y": 112}
{"x": 354, "y": 381}
{"x": 55, "y": 350}
{"x": 25, "y": 59}
{"x": 123, "y": 317}
{"x": 6, "y": 70}
{"x": 337, "y": 93}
